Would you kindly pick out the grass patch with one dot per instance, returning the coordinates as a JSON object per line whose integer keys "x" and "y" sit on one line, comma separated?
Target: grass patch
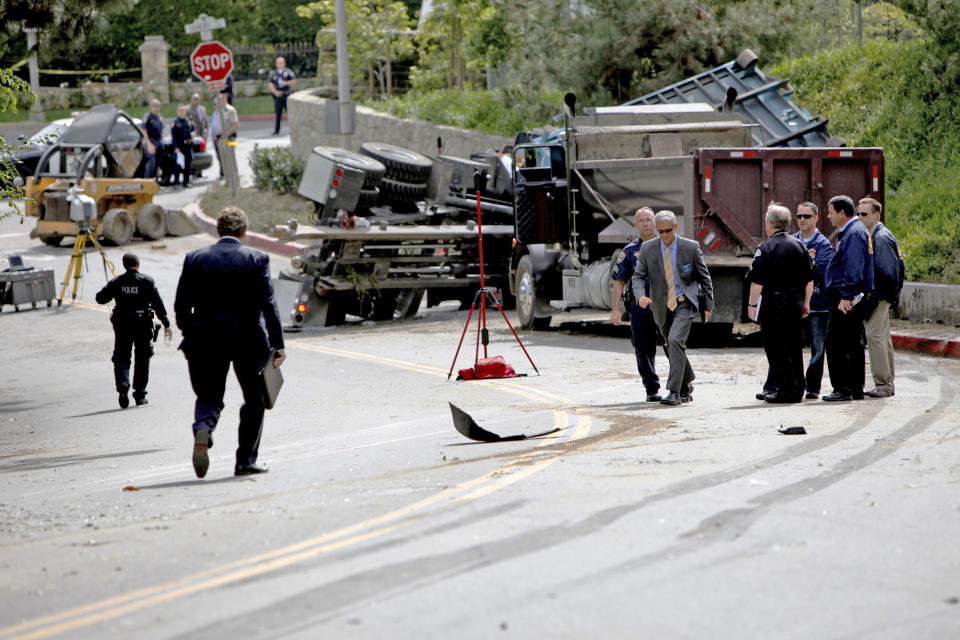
{"x": 264, "y": 208}
{"x": 501, "y": 112}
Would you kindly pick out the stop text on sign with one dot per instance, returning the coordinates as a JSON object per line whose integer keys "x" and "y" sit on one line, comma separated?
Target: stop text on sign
{"x": 205, "y": 65}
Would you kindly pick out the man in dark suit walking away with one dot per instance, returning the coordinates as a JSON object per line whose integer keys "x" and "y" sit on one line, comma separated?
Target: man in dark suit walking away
{"x": 227, "y": 313}
{"x": 677, "y": 273}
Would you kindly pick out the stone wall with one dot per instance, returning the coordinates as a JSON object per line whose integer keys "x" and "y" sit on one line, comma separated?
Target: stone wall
{"x": 307, "y": 131}
{"x": 925, "y": 302}
{"x": 131, "y": 94}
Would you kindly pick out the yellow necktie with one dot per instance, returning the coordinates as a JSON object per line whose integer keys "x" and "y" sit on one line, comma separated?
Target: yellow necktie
{"x": 671, "y": 282}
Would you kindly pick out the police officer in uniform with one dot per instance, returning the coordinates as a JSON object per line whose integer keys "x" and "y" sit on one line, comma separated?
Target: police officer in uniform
{"x": 643, "y": 328}
{"x": 781, "y": 283}
{"x": 153, "y": 129}
{"x": 281, "y": 79}
{"x": 132, "y": 317}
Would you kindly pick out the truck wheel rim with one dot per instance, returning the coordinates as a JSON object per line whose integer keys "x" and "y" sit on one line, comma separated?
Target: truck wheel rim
{"x": 525, "y": 295}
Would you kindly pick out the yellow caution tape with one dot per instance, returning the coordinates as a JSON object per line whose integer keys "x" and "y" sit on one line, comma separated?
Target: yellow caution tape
{"x": 71, "y": 72}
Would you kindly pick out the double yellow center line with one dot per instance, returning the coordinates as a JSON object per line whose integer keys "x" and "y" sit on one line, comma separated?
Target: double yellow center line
{"x": 519, "y": 468}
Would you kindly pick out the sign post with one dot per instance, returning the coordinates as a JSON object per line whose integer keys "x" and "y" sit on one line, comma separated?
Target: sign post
{"x": 212, "y": 62}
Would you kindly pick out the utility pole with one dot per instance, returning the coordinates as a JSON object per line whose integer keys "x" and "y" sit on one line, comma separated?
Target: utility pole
{"x": 345, "y": 108}
{"x": 36, "y": 109}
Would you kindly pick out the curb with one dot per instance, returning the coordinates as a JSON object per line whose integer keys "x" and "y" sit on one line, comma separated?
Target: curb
{"x": 252, "y": 239}
{"x": 946, "y": 347}
{"x": 261, "y": 117}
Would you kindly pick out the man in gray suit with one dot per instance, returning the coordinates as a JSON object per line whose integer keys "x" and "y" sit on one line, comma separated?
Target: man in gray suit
{"x": 677, "y": 274}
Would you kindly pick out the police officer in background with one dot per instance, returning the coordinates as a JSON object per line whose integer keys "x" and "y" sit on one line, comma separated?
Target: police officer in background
{"x": 153, "y": 129}
{"x": 281, "y": 79}
{"x": 782, "y": 273}
{"x": 132, "y": 318}
{"x": 643, "y": 328}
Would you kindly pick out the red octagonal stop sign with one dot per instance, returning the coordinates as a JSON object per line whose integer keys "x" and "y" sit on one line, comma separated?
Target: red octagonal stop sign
{"x": 211, "y": 62}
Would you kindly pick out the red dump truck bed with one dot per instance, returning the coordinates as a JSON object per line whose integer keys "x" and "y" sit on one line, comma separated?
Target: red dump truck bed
{"x": 733, "y": 187}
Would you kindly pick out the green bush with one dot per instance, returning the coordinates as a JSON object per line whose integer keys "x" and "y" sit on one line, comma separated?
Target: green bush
{"x": 883, "y": 95}
{"x": 500, "y": 112}
{"x": 276, "y": 169}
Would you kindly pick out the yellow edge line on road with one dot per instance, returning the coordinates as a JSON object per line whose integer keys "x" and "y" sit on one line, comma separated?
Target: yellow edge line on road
{"x": 262, "y": 563}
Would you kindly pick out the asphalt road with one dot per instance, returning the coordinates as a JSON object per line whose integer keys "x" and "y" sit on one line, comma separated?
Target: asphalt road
{"x": 378, "y": 520}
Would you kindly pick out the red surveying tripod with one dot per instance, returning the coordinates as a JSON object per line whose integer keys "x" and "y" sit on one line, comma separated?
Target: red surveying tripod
{"x": 483, "y": 294}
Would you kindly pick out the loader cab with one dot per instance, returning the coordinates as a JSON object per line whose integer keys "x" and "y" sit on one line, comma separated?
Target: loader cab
{"x": 102, "y": 143}
{"x": 541, "y": 215}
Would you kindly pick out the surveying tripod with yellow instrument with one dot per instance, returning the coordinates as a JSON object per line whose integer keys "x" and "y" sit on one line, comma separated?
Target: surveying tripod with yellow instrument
{"x": 83, "y": 209}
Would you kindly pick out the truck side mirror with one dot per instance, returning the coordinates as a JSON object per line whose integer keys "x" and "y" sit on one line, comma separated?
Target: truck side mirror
{"x": 570, "y": 100}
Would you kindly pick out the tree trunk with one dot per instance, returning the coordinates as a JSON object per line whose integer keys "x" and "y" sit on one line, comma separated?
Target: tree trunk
{"x": 370, "y": 84}
{"x": 389, "y": 73}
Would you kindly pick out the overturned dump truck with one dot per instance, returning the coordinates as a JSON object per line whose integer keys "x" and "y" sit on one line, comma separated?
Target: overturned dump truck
{"x": 385, "y": 235}
{"x": 102, "y": 153}
{"x": 715, "y": 149}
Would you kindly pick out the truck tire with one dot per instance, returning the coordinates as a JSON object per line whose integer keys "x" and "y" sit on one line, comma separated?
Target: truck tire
{"x": 373, "y": 305}
{"x": 373, "y": 170}
{"x": 746, "y": 59}
{"x": 117, "y": 227}
{"x": 527, "y": 297}
{"x": 368, "y": 198}
{"x": 408, "y": 302}
{"x": 51, "y": 241}
{"x": 402, "y": 164}
{"x": 152, "y": 221}
{"x": 396, "y": 191}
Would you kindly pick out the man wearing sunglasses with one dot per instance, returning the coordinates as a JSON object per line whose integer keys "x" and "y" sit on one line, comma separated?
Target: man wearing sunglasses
{"x": 888, "y": 282}
{"x": 849, "y": 281}
{"x": 677, "y": 273}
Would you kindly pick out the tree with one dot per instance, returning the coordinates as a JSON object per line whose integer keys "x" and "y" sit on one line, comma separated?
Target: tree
{"x": 64, "y": 26}
{"x": 452, "y": 44}
{"x": 377, "y": 34}
{"x": 13, "y": 90}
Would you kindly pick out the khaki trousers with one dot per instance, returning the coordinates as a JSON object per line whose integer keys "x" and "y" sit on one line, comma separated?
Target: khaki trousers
{"x": 880, "y": 346}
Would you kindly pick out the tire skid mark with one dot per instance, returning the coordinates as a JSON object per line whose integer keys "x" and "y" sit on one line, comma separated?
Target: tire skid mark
{"x": 524, "y": 465}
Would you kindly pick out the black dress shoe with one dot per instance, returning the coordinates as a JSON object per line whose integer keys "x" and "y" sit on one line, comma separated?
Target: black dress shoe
{"x": 686, "y": 397}
{"x": 201, "y": 442}
{"x": 141, "y": 401}
{"x": 653, "y": 397}
{"x": 776, "y": 398}
{"x": 123, "y": 399}
{"x": 811, "y": 395}
{"x": 837, "y": 397}
{"x": 672, "y": 399}
{"x": 248, "y": 470}
{"x": 763, "y": 395}
{"x": 857, "y": 396}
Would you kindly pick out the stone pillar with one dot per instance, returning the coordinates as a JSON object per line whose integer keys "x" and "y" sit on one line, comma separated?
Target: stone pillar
{"x": 156, "y": 74}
